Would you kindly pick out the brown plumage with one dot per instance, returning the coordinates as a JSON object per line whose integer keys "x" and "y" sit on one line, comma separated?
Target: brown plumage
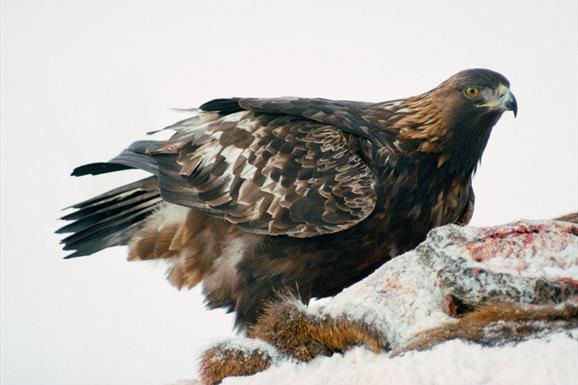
{"x": 253, "y": 197}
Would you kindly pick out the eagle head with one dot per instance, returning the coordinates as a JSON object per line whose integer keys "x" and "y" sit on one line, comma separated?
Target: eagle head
{"x": 479, "y": 91}
{"x": 453, "y": 121}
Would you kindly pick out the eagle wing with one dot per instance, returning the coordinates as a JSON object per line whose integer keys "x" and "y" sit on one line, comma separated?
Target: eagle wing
{"x": 358, "y": 118}
{"x": 267, "y": 173}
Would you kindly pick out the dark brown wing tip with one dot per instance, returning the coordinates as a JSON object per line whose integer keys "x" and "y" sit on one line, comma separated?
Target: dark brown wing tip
{"x": 224, "y": 106}
{"x": 98, "y": 168}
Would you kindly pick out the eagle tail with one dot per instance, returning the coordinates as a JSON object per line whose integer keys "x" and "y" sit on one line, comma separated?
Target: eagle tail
{"x": 110, "y": 219}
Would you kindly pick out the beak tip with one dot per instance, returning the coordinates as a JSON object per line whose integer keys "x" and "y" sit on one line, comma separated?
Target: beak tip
{"x": 512, "y": 105}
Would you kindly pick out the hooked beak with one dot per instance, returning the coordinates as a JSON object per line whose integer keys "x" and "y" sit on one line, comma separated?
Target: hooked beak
{"x": 508, "y": 102}
{"x": 503, "y": 100}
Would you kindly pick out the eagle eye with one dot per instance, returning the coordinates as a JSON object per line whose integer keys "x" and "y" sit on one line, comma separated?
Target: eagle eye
{"x": 471, "y": 92}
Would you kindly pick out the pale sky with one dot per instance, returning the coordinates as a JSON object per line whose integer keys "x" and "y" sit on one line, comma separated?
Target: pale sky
{"x": 83, "y": 79}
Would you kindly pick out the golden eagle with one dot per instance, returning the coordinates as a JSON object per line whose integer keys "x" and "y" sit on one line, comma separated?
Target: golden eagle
{"x": 253, "y": 197}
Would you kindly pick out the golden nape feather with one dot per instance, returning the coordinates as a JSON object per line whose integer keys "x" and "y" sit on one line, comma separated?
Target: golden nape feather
{"x": 256, "y": 197}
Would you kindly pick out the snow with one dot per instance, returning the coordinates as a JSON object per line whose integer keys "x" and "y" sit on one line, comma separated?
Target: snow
{"x": 250, "y": 345}
{"x": 187, "y": 382}
{"x": 510, "y": 262}
{"x": 552, "y": 360}
{"x": 549, "y": 360}
{"x": 454, "y": 362}
{"x": 399, "y": 299}
{"x": 544, "y": 249}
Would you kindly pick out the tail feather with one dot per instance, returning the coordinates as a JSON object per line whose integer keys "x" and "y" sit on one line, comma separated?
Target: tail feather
{"x": 89, "y": 225}
{"x": 91, "y": 215}
{"x": 148, "y": 184}
{"x": 106, "y": 234}
{"x": 112, "y": 218}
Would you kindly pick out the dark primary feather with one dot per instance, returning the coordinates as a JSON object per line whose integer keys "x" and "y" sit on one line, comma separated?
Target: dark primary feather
{"x": 306, "y": 195}
{"x": 135, "y": 156}
{"x": 98, "y": 168}
{"x": 223, "y": 106}
{"x": 110, "y": 219}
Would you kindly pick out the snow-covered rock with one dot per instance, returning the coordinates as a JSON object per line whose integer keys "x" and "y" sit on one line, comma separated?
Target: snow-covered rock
{"x": 494, "y": 285}
{"x": 457, "y": 268}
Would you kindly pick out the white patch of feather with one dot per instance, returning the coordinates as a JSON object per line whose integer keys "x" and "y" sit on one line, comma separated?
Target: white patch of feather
{"x": 231, "y": 153}
{"x": 225, "y": 266}
{"x": 247, "y": 124}
{"x": 196, "y": 119}
{"x": 235, "y": 117}
{"x": 207, "y": 154}
{"x": 248, "y": 171}
{"x": 168, "y": 214}
{"x": 245, "y": 189}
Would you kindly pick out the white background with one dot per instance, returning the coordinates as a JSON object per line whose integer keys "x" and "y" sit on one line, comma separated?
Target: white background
{"x": 83, "y": 79}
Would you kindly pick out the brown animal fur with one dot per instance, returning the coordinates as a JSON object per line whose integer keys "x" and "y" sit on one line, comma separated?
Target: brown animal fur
{"x": 573, "y": 217}
{"x": 286, "y": 326}
{"x": 497, "y": 323}
{"x": 293, "y": 331}
{"x": 220, "y": 362}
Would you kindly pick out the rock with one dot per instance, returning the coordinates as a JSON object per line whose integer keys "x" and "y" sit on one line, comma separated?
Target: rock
{"x": 487, "y": 285}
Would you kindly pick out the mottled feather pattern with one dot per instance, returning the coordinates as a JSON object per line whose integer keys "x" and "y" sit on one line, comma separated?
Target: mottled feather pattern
{"x": 269, "y": 174}
{"x": 255, "y": 197}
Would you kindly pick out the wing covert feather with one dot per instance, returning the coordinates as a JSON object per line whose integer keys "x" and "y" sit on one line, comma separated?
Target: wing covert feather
{"x": 349, "y": 116}
{"x": 268, "y": 174}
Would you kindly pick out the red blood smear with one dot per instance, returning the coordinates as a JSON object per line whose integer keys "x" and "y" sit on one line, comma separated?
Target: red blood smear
{"x": 569, "y": 281}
